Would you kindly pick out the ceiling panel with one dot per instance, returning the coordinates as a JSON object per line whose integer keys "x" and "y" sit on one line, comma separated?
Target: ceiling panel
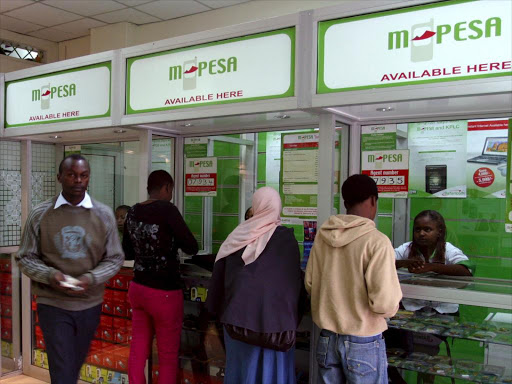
{"x": 8, "y": 5}
{"x": 85, "y": 7}
{"x": 18, "y": 26}
{"x": 43, "y": 15}
{"x": 130, "y": 15}
{"x": 80, "y": 27}
{"x": 173, "y": 9}
{"x": 221, "y": 3}
{"x": 53, "y": 34}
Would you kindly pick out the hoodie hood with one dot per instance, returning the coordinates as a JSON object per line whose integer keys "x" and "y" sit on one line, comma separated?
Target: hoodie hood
{"x": 341, "y": 230}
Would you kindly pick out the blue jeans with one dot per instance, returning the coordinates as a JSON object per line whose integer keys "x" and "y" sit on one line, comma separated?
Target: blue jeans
{"x": 351, "y": 359}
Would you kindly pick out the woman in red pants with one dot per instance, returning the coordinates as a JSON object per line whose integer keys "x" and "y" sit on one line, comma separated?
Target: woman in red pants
{"x": 154, "y": 231}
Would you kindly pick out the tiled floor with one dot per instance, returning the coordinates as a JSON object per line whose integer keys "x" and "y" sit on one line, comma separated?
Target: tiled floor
{"x": 22, "y": 379}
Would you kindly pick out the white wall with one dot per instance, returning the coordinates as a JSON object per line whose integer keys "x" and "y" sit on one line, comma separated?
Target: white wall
{"x": 75, "y": 48}
{"x": 10, "y": 64}
{"x": 113, "y": 36}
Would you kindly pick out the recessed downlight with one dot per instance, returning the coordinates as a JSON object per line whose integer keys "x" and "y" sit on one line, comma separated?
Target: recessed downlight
{"x": 282, "y": 116}
{"x": 187, "y": 125}
{"x": 120, "y": 130}
{"x": 54, "y": 137}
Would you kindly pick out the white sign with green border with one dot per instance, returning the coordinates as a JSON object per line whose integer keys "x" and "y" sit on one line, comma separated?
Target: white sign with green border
{"x": 74, "y": 94}
{"x": 508, "y": 212}
{"x": 445, "y": 41}
{"x": 378, "y": 137}
{"x": 437, "y": 160}
{"x": 255, "y": 67}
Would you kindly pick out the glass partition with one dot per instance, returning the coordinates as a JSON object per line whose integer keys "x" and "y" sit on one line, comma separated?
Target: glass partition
{"x": 284, "y": 160}
{"x": 458, "y": 169}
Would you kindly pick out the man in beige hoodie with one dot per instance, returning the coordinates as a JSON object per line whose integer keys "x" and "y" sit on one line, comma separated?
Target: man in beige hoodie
{"x": 352, "y": 280}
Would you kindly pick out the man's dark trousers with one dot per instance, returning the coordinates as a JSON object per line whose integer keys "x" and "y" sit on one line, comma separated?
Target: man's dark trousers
{"x": 67, "y": 335}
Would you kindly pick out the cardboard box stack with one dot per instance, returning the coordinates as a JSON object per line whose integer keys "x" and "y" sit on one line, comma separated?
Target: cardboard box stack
{"x": 107, "y": 361}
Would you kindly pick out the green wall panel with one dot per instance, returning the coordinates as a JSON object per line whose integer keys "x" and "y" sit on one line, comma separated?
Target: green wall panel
{"x": 385, "y": 225}
{"x": 221, "y": 148}
{"x": 262, "y": 163}
{"x": 262, "y": 142}
{"x": 195, "y": 224}
{"x": 228, "y": 172}
{"x": 385, "y": 205}
{"x": 223, "y": 226}
{"x": 226, "y": 201}
{"x": 193, "y": 204}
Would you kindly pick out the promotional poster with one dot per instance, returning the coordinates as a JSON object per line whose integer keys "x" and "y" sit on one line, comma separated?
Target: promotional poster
{"x": 486, "y": 168}
{"x": 437, "y": 159}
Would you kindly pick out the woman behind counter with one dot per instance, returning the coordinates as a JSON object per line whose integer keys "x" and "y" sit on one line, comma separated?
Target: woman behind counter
{"x": 427, "y": 252}
{"x": 430, "y": 252}
{"x": 255, "y": 290}
{"x": 154, "y": 231}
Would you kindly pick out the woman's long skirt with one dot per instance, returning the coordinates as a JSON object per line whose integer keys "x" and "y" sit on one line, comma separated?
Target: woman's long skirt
{"x": 249, "y": 364}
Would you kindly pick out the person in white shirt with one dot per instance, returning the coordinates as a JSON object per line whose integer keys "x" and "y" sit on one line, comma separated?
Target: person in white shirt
{"x": 430, "y": 252}
{"x": 427, "y": 252}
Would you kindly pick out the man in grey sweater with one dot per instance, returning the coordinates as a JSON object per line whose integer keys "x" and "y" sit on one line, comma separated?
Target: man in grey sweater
{"x": 69, "y": 249}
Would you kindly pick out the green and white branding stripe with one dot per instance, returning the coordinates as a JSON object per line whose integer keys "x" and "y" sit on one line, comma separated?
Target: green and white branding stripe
{"x": 445, "y": 41}
{"x": 80, "y": 93}
{"x": 508, "y": 213}
{"x": 248, "y": 68}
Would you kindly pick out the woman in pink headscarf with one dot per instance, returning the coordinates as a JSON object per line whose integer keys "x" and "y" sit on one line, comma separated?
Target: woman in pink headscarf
{"x": 255, "y": 291}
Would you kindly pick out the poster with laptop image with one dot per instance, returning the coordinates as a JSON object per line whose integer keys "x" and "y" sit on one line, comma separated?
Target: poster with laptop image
{"x": 486, "y": 169}
{"x": 437, "y": 159}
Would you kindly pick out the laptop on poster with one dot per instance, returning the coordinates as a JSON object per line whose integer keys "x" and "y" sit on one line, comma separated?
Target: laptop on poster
{"x": 494, "y": 151}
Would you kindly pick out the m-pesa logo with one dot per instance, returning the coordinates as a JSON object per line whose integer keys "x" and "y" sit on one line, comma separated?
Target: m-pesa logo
{"x": 423, "y": 36}
{"x": 201, "y": 164}
{"x": 386, "y": 158}
{"x": 47, "y": 93}
{"x": 192, "y": 69}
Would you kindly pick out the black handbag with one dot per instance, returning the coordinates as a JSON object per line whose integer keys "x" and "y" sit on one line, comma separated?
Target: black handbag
{"x": 277, "y": 341}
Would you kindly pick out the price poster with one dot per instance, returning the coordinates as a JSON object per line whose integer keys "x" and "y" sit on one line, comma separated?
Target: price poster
{"x": 201, "y": 176}
{"x": 299, "y": 174}
{"x": 389, "y": 169}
